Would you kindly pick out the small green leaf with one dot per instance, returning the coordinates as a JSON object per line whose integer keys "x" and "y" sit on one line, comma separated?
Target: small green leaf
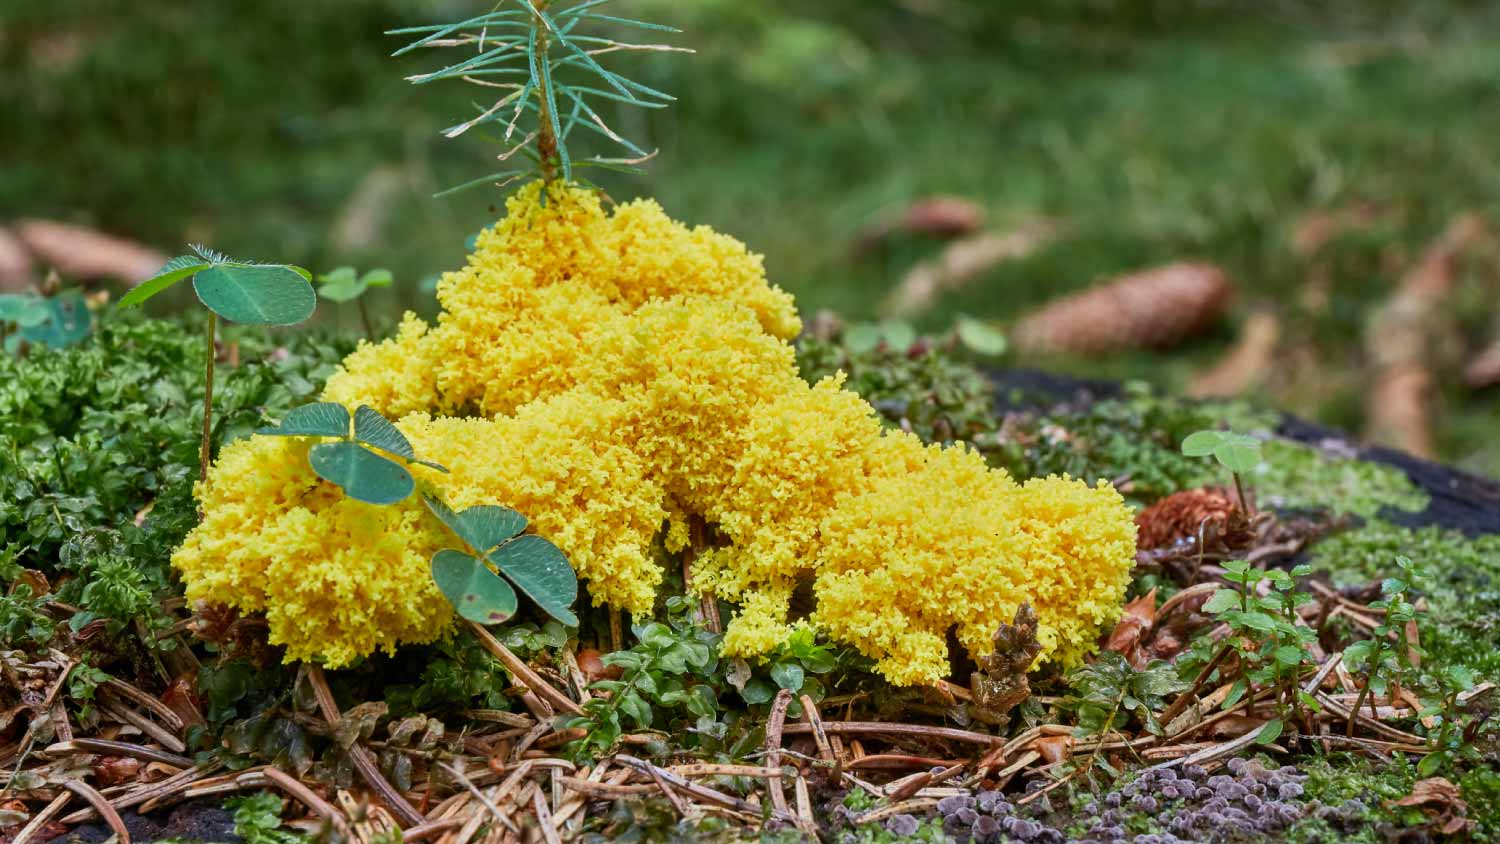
{"x": 818, "y": 661}
{"x": 24, "y": 311}
{"x": 1201, "y": 443}
{"x": 862, "y": 338}
{"x": 377, "y": 278}
{"x": 1222, "y": 601}
{"x": 340, "y": 285}
{"x": 319, "y": 419}
{"x": 1238, "y": 457}
{"x": 372, "y": 429}
{"x": 1236, "y": 692}
{"x": 979, "y": 337}
{"x": 898, "y": 335}
{"x": 1255, "y": 621}
{"x": 1270, "y": 732}
{"x": 68, "y": 321}
{"x": 637, "y": 710}
{"x": 1288, "y": 655}
{"x": 256, "y": 294}
{"x": 363, "y": 474}
{"x": 1432, "y": 763}
{"x": 172, "y": 272}
{"x": 788, "y": 675}
{"x": 476, "y": 593}
{"x": 758, "y": 691}
{"x": 542, "y": 572}
{"x": 482, "y": 527}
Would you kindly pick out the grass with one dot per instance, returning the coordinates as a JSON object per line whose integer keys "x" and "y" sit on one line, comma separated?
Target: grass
{"x": 1149, "y": 133}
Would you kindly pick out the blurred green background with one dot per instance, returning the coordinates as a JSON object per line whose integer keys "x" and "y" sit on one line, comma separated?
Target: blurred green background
{"x": 1143, "y": 132}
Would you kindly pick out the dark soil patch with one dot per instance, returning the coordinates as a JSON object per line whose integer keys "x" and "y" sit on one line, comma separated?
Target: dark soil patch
{"x": 202, "y": 820}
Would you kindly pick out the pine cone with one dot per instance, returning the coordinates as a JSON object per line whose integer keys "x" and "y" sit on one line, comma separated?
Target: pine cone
{"x": 1178, "y": 518}
{"x": 1154, "y": 308}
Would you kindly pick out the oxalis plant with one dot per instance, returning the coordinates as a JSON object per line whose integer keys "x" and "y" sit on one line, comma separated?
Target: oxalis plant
{"x": 359, "y": 460}
{"x": 53, "y": 321}
{"x": 1239, "y": 453}
{"x": 239, "y": 291}
{"x": 345, "y": 284}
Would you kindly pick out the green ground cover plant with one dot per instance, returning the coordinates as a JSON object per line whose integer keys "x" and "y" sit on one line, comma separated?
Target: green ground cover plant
{"x": 330, "y": 614}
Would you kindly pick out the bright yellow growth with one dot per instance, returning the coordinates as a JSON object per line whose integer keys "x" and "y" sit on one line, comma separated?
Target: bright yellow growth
{"x": 609, "y": 374}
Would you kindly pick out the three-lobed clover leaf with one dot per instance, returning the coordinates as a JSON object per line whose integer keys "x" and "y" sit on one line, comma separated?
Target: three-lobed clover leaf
{"x": 345, "y": 284}
{"x": 239, "y": 291}
{"x": 495, "y": 537}
{"x": 56, "y": 321}
{"x": 1238, "y": 453}
{"x": 352, "y": 463}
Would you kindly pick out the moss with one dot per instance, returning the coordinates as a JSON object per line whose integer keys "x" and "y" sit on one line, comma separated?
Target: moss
{"x": 1481, "y": 791}
{"x": 1295, "y": 476}
{"x": 1463, "y": 624}
{"x": 1338, "y": 779}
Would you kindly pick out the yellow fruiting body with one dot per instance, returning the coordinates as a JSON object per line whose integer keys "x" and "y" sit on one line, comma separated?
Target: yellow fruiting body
{"x": 611, "y": 375}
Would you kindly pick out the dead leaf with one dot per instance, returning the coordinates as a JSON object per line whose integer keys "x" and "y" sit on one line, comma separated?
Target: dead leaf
{"x": 114, "y": 770}
{"x": 182, "y": 698}
{"x": 1441, "y": 801}
{"x": 1137, "y": 618}
{"x": 1054, "y": 749}
{"x": 1246, "y": 364}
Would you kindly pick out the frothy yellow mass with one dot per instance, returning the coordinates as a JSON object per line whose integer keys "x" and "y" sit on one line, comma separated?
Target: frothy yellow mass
{"x": 609, "y": 374}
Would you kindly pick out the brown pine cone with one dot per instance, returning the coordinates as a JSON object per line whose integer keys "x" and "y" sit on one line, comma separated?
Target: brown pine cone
{"x": 1150, "y": 309}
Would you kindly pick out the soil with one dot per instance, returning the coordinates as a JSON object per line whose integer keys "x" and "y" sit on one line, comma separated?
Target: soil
{"x": 203, "y": 820}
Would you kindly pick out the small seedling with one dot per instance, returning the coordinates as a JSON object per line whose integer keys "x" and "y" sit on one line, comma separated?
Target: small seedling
{"x": 239, "y": 291}
{"x": 345, "y": 284}
{"x": 1387, "y": 655}
{"x": 352, "y": 462}
{"x": 537, "y": 42}
{"x": 1239, "y": 453}
{"x": 1449, "y": 742}
{"x": 494, "y": 536}
{"x": 1265, "y": 632}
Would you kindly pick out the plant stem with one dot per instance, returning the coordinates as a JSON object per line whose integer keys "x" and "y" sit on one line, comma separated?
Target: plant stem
{"x": 208, "y": 397}
{"x": 364, "y": 317}
{"x": 546, "y": 141}
{"x": 1239, "y": 490}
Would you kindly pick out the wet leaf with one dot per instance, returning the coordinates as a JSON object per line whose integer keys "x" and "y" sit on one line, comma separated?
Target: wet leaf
{"x": 476, "y": 593}
{"x": 361, "y": 473}
{"x": 542, "y": 571}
